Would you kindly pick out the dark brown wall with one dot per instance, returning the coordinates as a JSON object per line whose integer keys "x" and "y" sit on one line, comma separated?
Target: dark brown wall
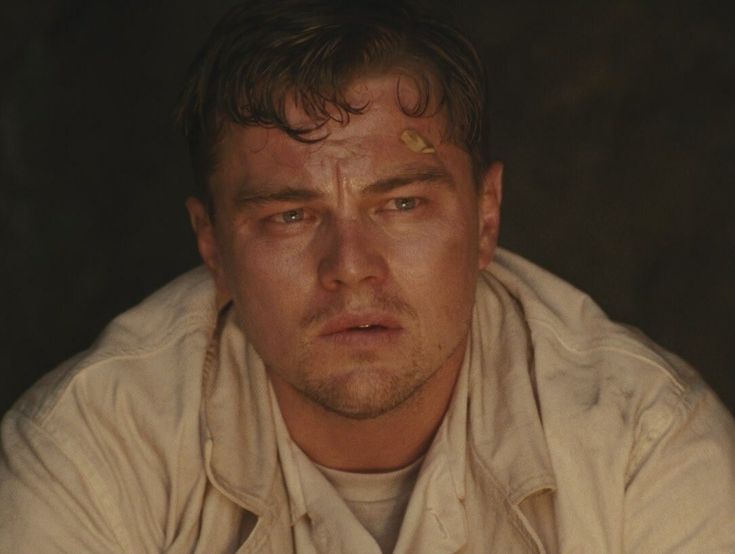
{"x": 616, "y": 122}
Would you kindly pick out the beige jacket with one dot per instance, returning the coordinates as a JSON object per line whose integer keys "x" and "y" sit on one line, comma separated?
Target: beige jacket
{"x": 582, "y": 436}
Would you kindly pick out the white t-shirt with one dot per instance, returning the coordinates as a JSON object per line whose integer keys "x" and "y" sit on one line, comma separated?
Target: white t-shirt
{"x": 377, "y": 500}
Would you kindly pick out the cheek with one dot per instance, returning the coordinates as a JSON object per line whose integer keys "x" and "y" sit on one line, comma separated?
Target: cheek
{"x": 446, "y": 240}
{"x": 268, "y": 283}
{"x": 256, "y": 261}
{"x": 442, "y": 262}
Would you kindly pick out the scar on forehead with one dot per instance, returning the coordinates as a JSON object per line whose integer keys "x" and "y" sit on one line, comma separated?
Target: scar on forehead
{"x": 417, "y": 142}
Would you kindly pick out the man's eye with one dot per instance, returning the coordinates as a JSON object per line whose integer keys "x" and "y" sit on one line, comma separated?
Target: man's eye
{"x": 290, "y": 216}
{"x": 404, "y": 204}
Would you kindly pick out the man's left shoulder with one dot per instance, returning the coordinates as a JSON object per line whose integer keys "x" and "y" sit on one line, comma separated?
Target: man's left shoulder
{"x": 598, "y": 377}
{"x": 626, "y": 423}
{"x": 573, "y": 338}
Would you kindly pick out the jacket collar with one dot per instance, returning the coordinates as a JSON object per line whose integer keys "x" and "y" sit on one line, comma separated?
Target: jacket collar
{"x": 505, "y": 429}
{"x": 238, "y": 434}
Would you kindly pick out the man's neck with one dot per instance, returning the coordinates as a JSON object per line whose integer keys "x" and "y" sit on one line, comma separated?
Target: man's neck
{"x": 390, "y": 441}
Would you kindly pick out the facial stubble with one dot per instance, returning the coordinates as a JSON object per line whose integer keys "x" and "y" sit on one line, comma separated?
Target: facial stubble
{"x": 364, "y": 388}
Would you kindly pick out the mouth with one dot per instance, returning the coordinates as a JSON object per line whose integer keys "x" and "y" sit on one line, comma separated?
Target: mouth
{"x": 361, "y": 328}
{"x": 367, "y": 328}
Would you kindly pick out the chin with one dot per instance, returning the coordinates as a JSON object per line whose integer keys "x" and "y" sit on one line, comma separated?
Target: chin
{"x": 364, "y": 393}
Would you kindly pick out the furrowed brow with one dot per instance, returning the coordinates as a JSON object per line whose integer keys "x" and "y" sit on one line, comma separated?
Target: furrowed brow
{"x": 248, "y": 196}
{"x": 429, "y": 175}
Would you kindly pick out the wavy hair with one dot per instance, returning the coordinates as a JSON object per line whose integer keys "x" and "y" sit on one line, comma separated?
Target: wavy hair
{"x": 263, "y": 52}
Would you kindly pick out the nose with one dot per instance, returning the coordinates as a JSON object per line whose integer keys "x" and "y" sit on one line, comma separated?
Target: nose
{"x": 351, "y": 255}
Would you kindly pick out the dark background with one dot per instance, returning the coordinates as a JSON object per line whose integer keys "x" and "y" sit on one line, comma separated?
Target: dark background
{"x": 616, "y": 122}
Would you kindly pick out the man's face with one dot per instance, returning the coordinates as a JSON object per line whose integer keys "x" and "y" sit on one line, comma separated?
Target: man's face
{"x": 351, "y": 261}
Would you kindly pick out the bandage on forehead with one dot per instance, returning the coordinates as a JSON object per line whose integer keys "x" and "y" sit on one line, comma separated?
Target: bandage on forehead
{"x": 417, "y": 142}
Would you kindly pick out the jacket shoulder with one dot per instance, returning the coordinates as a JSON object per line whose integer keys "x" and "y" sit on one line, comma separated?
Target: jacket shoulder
{"x": 570, "y": 332}
{"x": 600, "y": 385}
{"x": 114, "y": 430}
{"x": 626, "y": 423}
{"x": 167, "y": 331}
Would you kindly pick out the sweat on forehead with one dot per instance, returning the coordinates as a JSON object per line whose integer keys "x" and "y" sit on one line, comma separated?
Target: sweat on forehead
{"x": 383, "y": 128}
{"x": 261, "y": 53}
{"x": 395, "y": 89}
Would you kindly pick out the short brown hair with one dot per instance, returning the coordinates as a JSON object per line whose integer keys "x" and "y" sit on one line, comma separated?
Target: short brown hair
{"x": 263, "y": 51}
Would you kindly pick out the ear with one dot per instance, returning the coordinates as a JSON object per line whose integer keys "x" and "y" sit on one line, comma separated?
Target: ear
{"x": 490, "y": 197}
{"x": 207, "y": 243}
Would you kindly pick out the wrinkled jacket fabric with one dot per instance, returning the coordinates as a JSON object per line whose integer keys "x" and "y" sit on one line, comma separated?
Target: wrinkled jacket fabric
{"x": 581, "y": 436}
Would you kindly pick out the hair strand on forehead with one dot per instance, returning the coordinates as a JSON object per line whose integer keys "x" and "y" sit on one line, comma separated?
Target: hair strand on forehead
{"x": 265, "y": 54}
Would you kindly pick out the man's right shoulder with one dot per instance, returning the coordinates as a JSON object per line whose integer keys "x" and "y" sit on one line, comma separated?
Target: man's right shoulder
{"x": 103, "y": 448}
{"x": 158, "y": 343}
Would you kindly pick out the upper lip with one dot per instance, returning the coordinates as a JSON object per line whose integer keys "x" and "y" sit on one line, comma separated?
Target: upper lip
{"x": 346, "y": 322}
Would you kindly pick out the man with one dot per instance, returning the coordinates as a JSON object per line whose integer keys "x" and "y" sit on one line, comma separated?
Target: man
{"x": 359, "y": 368}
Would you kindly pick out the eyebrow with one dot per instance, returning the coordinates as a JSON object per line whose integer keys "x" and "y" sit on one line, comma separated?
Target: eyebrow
{"x": 259, "y": 195}
{"x": 247, "y": 196}
{"x": 425, "y": 175}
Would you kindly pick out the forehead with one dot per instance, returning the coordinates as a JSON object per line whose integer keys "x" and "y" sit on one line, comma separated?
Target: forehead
{"x": 380, "y": 137}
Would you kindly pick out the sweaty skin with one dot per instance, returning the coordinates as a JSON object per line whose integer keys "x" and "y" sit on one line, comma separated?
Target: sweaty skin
{"x": 417, "y": 142}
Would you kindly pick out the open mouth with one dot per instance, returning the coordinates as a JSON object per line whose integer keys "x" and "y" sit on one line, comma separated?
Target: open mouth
{"x": 364, "y": 335}
{"x": 359, "y": 328}
{"x": 368, "y": 328}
